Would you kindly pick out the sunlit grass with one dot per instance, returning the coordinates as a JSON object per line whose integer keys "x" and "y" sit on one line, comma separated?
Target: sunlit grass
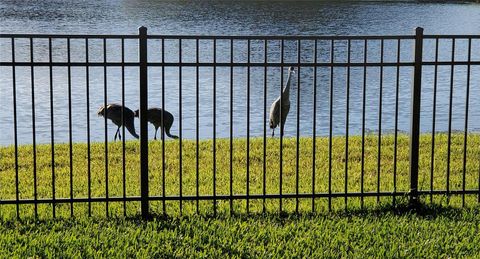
{"x": 239, "y": 181}
{"x": 380, "y": 230}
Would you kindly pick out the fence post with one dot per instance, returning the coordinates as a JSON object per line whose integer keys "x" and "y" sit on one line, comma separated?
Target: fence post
{"x": 415, "y": 116}
{"x": 143, "y": 122}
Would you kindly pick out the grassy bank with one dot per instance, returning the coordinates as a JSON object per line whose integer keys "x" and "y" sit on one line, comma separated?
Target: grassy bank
{"x": 188, "y": 175}
{"x": 380, "y": 231}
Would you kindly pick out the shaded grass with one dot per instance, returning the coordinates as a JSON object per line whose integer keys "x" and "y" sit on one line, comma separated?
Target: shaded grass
{"x": 385, "y": 232}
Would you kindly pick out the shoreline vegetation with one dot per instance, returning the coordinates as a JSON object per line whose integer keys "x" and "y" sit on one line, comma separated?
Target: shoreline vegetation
{"x": 381, "y": 230}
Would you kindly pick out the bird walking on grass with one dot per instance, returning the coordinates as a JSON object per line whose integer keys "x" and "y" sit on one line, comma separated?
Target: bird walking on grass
{"x": 114, "y": 113}
{"x": 154, "y": 116}
{"x": 275, "y": 109}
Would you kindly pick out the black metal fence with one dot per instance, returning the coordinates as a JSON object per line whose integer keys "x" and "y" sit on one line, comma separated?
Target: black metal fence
{"x": 304, "y": 53}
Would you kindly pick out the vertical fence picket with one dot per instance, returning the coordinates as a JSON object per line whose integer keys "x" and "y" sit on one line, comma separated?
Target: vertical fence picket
{"x": 89, "y": 164}
{"x": 124, "y": 180}
{"x": 380, "y": 99}
{"x": 248, "y": 129}
{"x": 52, "y": 125}
{"x": 164, "y": 205}
{"x": 465, "y": 130}
{"x": 105, "y": 98}
{"x": 70, "y": 136}
{"x": 34, "y": 137}
{"x": 281, "y": 128}
{"x": 265, "y": 61}
{"x": 297, "y": 149}
{"x": 214, "y": 161}
{"x": 314, "y": 126}
{"x": 180, "y": 145}
{"x": 330, "y": 124}
{"x": 231, "y": 127}
{"x": 15, "y": 135}
{"x": 364, "y": 99}
{"x": 450, "y": 114}
{"x": 432, "y": 158}
{"x": 347, "y": 120}
{"x": 395, "y": 141}
{"x": 197, "y": 127}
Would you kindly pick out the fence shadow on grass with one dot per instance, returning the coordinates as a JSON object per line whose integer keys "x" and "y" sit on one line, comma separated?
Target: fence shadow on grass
{"x": 422, "y": 211}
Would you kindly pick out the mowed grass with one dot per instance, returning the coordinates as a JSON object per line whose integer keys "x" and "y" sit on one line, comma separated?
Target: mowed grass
{"x": 381, "y": 230}
{"x": 182, "y": 179}
{"x": 435, "y": 233}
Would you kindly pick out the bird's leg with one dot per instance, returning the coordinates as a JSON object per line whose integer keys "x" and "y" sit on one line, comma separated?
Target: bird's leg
{"x": 116, "y": 133}
{"x": 273, "y": 133}
{"x": 155, "y": 138}
{"x": 119, "y": 135}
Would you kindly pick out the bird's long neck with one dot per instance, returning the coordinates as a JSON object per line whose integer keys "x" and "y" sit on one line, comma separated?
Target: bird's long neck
{"x": 286, "y": 89}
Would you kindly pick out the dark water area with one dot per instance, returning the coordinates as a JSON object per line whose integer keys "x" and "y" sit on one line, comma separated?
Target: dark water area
{"x": 236, "y": 18}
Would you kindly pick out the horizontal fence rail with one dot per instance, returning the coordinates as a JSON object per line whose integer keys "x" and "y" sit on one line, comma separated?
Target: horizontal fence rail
{"x": 368, "y": 120}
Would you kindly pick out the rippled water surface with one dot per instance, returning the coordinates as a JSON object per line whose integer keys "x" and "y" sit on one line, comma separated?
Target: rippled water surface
{"x": 234, "y": 18}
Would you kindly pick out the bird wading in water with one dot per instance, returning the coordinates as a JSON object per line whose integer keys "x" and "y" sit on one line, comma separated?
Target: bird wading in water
{"x": 114, "y": 113}
{"x": 282, "y": 104}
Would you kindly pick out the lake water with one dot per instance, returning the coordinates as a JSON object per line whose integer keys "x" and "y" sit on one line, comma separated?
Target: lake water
{"x": 234, "y": 18}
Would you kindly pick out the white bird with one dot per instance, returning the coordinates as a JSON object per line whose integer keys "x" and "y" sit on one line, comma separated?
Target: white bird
{"x": 284, "y": 99}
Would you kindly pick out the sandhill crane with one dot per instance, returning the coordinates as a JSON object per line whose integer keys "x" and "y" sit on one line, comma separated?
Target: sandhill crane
{"x": 114, "y": 113}
{"x": 275, "y": 108}
{"x": 154, "y": 116}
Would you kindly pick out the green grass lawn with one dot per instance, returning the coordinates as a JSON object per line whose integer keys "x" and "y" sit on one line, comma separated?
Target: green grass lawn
{"x": 438, "y": 230}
